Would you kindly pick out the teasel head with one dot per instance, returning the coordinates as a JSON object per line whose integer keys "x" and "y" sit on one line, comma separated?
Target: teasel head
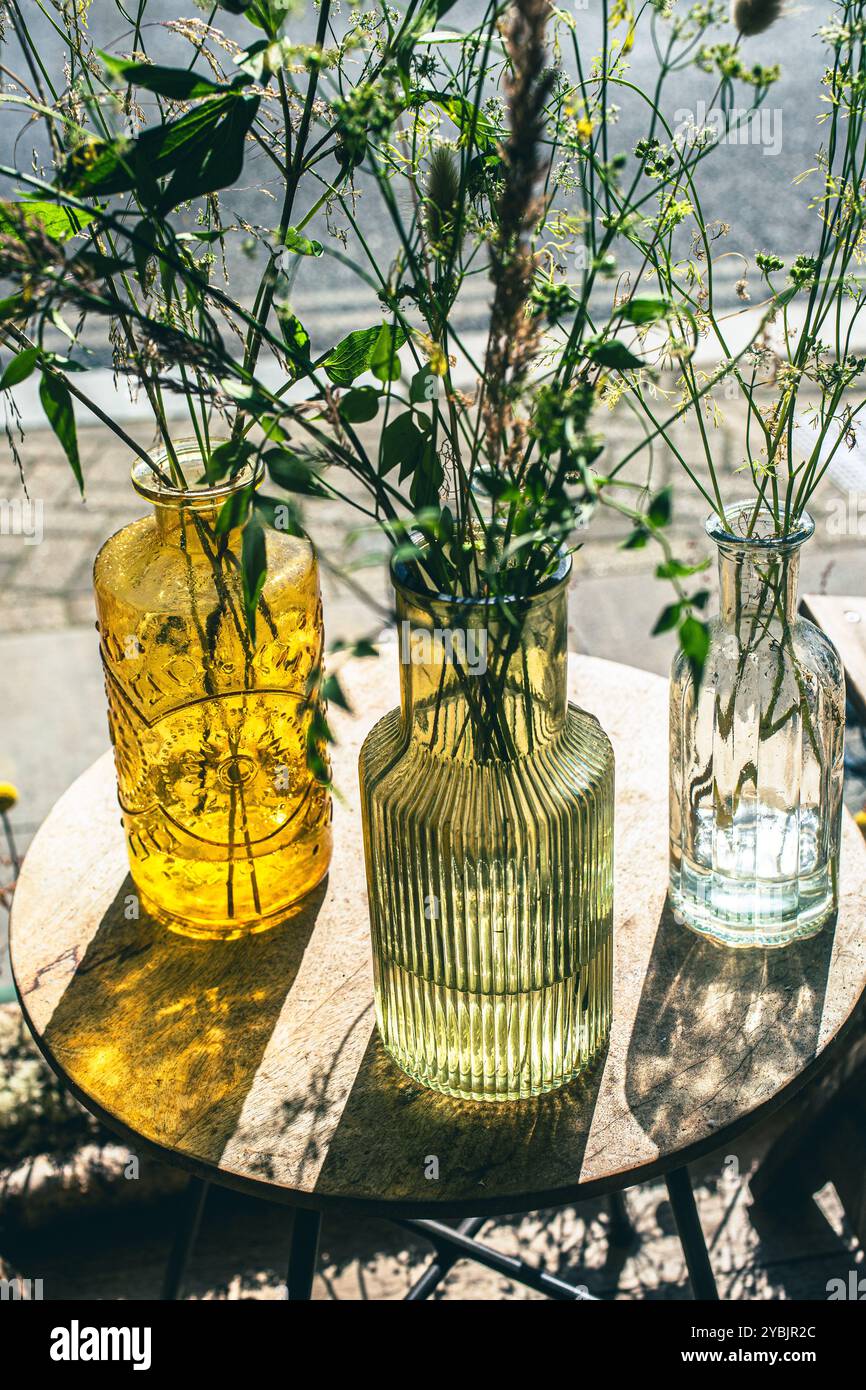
{"x": 514, "y": 334}
{"x": 751, "y": 17}
{"x": 442, "y": 197}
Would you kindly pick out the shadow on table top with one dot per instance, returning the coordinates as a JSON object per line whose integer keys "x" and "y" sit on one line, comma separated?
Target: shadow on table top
{"x": 714, "y": 1026}
{"x": 169, "y": 1033}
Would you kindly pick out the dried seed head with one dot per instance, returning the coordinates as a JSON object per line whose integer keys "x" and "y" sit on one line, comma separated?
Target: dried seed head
{"x": 754, "y": 16}
{"x": 443, "y": 194}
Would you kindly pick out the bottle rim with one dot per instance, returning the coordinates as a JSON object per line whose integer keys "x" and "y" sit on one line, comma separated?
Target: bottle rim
{"x": 201, "y": 494}
{"x": 405, "y": 578}
{"x": 738, "y": 514}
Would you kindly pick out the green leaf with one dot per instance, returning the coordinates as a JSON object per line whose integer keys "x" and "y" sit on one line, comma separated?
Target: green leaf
{"x": 675, "y": 569}
{"x": 402, "y": 443}
{"x": 53, "y": 219}
{"x": 57, "y": 404}
{"x": 646, "y": 310}
{"x": 254, "y": 569}
{"x": 695, "y": 642}
{"x": 216, "y": 162}
{"x": 228, "y": 457}
{"x": 332, "y": 693}
{"x": 427, "y": 480}
{"x": 121, "y": 164}
{"x": 363, "y": 648}
{"x": 280, "y": 513}
{"x": 144, "y": 245}
{"x": 101, "y": 265}
{"x": 668, "y": 618}
{"x": 637, "y": 540}
{"x": 360, "y": 405}
{"x": 468, "y": 118}
{"x": 248, "y": 394}
{"x": 456, "y": 36}
{"x": 215, "y": 234}
{"x": 353, "y": 355}
{"x": 408, "y": 551}
{"x": 20, "y": 368}
{"x": 660, "y": 508}
{"x": 384, "y": 362}
{"x": 177, "y": 83}
{"x": 296, "y": 339}
{"x": 256, "y": 59}
{"x": 318, "y": 733}
{"x": 296, "y": 241}
{"x": 614, "y": 354}
{"x": 234, "y": 510}
{"x": 202, "y": 151}
{"x": 294, "y": 473}
{"x": 61, "y": 363}
{"x": 424, "y": 387}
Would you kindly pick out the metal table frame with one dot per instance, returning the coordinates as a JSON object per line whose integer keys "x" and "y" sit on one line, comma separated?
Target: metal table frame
{"x": 453, "y": 1243}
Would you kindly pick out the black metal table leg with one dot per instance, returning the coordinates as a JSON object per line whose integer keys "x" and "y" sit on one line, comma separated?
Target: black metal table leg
{"x": 185, "y": 1237}
{"x": 466, "y": 1248}
{"x": 303, "y": 1253}
{"x": 691, "y": 1236}
{"x": 622, "y": 1233}
{"x": 442, "y": 1263}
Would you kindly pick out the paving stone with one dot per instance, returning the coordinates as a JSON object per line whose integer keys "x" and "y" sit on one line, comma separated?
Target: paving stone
{"x": 49, "y": 568}
{"x": 40, "y": 613}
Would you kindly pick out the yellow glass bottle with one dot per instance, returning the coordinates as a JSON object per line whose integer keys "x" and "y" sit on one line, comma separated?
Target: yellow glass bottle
{"x": 488, "y": 827}
{"x": 226, "y": 826}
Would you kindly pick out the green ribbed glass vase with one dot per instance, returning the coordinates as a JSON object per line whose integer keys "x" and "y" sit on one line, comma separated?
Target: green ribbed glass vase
{"x": 488, "y": 829}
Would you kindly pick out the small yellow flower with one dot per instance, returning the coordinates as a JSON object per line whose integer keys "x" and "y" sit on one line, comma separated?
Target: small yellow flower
{"x": 860, "y": 818}
{"x": 8, "y": 796}
{"x": 584, "y": 128}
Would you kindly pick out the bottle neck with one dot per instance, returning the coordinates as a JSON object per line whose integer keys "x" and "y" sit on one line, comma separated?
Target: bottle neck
{"x": 758, "y": 583}
{"x": 193, "y": 528}
{"x": 482, "y": 682}
{"x": 187, "y": 514}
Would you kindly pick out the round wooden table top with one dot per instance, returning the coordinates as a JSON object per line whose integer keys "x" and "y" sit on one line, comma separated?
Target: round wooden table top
{"x": 255, "y": 1063}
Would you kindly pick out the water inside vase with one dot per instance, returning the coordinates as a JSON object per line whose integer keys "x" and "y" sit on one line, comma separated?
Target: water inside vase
{"x": 759, "y": 883}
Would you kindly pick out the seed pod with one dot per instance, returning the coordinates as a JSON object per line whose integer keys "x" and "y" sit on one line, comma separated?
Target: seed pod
{"x": 443, "y": 193}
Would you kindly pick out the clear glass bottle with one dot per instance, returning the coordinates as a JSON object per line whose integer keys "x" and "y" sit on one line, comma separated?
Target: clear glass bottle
{"x": 226, "y": 827}
{"x": 488, "y": 824}
{"x": 756, "y": 754}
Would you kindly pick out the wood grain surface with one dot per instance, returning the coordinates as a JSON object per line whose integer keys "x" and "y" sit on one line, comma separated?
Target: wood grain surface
{"x": 256, "y": 1062}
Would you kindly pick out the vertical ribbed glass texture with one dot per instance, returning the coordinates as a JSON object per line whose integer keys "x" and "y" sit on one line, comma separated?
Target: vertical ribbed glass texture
{"x": 757, "y": 752}
{"x": 225, "y": 825}
{"x": 488, "y": 825}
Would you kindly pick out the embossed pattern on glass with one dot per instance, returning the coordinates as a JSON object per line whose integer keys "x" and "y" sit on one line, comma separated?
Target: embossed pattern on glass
{"x": 488, "y": 823}
{"x": 757, "y": 752}
{"x": 226, "y": 827}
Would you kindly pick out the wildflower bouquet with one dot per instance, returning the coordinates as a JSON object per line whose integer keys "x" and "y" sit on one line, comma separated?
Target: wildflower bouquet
{"x": 492, "y": 152}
